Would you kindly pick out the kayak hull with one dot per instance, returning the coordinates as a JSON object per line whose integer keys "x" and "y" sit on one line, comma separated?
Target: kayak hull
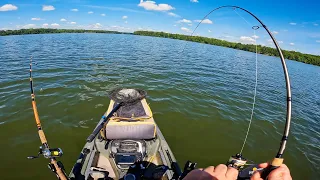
{"x": 127, "y": 148}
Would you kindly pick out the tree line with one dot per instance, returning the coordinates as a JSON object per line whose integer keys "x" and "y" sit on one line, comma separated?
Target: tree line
{"x": 292, "y": 55}
{"x": 51, "y": 31}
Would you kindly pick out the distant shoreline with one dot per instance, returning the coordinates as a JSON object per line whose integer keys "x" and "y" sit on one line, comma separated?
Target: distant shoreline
{"x": 292, "y": 55}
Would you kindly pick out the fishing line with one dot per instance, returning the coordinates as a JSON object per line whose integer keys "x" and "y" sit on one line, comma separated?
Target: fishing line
{"x": 235, "y": 10}
{"x": 256, "y": 79}
{"x": 256, "y": 70}
{"x": 254, "y": 95}
{"x": 285, "y": 70}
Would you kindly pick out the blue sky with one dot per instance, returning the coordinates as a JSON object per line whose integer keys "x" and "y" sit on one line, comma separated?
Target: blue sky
{"x": 295, "y": 24}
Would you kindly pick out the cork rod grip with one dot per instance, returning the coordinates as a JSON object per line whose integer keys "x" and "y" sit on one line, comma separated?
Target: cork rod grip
{"x": 275, "y": 163}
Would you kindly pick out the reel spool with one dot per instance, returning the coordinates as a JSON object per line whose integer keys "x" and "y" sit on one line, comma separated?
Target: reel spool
{"x": 48, "y": 153}
{"x": 237, "y": 162}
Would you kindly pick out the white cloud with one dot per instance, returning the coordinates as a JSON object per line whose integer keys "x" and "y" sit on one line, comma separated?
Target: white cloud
{"x": 90, "y": 12}
{"x": 28, "y": 26}
{"x": 8, "y": 7}
{"x": 63, "y": 20}
{"x": 189, "y": 24}
{"x": 275, "y": 32}
{"x": 270, "y": 41}
{"x": 47, "y": 8}
{"x": 173, "y": 14}
{"x": 55, "y": 25}
{"x": 35, "y": 19}
{"x": 153, "y": 6}
{"x": 73, "y": 23}
{"x": 174, "y": 25}
{"x": 280, "y": 42}
{"x": 318, "y": 41}
{"x": 184, "y": 21}
{"x": 293, "y": 23}
{"x": 209, "y": 31}
{"x": 123, "y": 29}
{"x": 97, "y": 26}
{"x": 185, "y": 29}
{"x": 194, "y": 1}
{"x": 103, "y": 14}
{"x": 124, "y": 17}
{"x": 74, "y": 10}
{"x": 45, "y": 25}
{"x": 205, "y": 21}
{"x": 255, "y": 36}
{"x": 315, "y": 24}
{"x": 292, "y": 44}
{"x": 247, "y": 39}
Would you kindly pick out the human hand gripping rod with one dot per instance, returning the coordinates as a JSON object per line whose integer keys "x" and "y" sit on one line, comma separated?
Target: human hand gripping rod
{"x": 104, "y": 120}
{"x": 54, "y": 165}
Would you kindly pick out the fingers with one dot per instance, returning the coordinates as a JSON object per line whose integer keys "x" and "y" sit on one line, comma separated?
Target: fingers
{"x": 281, "y": 172}
{"x": 256, "y": 176}
{"x": 232, "y": 173}
{"x": 263, "y": 165}
{"x": 196, "y": 174}
{"x": 221, "y": 169}
{"x": 209, "y": 169}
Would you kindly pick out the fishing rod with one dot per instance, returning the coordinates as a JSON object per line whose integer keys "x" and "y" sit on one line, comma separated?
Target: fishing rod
{"x": 238, "y": 161}
{"x": 47, "y": 152}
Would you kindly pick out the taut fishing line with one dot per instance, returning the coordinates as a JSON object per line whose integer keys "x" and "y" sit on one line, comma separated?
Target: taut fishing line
{"x": 256, "y": 79}
{"x": 238, "y": 161}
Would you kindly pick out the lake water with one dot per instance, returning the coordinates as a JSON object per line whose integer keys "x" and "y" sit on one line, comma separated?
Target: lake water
{"x": 201, "y": 99}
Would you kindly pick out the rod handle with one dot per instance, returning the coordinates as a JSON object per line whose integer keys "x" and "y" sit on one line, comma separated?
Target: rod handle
{"x": 275, "y": 163}
{"x": 95, "y": 132}
{"x": 103, "y": 121}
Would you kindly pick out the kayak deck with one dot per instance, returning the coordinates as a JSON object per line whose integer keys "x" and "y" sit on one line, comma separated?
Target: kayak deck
{"x": 130, "y": 146}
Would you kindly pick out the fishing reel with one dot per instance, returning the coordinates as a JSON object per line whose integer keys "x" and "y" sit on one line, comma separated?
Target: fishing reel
{"x": 48, "y": 153}
{"x": 237, "y": 161}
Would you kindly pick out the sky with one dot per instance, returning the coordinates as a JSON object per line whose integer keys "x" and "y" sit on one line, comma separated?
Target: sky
{"x": 294, "y": 23}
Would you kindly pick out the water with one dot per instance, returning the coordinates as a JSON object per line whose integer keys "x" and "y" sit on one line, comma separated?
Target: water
{"x": 201, "y": 99}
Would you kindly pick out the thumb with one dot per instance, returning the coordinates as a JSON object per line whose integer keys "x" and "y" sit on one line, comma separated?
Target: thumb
{"x": 277, "y": 174}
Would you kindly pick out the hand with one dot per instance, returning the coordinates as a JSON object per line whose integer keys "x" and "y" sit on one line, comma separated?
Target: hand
{"x": 281, "y": 173}
{"x": 221, "y": 172}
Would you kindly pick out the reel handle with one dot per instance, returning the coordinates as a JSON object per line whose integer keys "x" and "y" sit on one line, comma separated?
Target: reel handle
{"x": 275, "y": 163}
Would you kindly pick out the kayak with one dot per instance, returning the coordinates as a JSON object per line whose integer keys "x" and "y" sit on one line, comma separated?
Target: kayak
{"x": 130, "y": 146}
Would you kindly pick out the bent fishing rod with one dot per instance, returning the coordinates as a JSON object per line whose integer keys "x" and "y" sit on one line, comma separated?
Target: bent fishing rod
{"x": 53, "y": 153}
{"x": 54, "y": 165}
{"x": 238, "y": 161}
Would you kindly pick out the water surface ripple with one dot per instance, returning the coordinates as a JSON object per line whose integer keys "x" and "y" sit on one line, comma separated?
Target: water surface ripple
{"x": 201, "y": 99}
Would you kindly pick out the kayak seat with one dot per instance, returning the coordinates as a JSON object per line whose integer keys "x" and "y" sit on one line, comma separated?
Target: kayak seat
{"x": 134, "y": 127}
